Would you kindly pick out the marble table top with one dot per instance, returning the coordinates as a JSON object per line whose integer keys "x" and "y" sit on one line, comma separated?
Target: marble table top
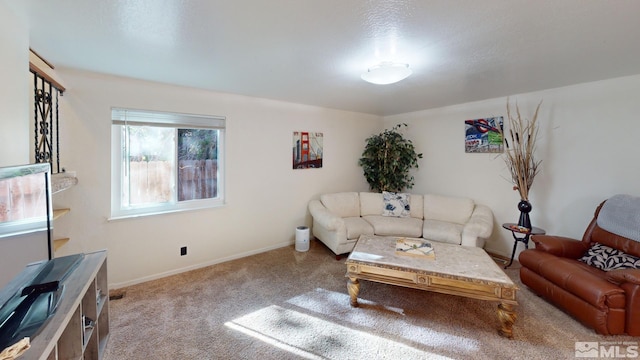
{"x": 457, "y": 261}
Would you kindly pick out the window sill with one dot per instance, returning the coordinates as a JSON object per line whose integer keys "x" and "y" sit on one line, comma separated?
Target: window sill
{"x": 161, "y": 212}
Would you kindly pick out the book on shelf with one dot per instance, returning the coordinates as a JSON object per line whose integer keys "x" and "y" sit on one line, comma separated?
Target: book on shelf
{"x": 415, "y": 247}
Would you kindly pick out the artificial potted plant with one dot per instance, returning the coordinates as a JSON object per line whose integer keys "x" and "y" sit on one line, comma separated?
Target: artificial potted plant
{"x": 387, "y": 159}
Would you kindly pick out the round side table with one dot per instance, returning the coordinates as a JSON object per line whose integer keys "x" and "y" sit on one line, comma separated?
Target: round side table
{"x": 526, "y": 234}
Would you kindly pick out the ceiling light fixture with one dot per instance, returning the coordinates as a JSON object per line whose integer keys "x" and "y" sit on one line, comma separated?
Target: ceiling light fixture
{"x": 386, "y": 72}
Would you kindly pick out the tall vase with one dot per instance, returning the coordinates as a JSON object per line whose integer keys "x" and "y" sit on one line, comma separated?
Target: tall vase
{"x": 525, "y": 207}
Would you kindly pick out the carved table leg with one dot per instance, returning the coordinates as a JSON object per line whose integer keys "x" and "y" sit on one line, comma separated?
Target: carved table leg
{"x": 353, "y": 286}
{"x": 507, "y": 317}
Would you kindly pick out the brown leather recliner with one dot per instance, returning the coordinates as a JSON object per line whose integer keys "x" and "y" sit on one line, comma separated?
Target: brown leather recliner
{"x": 607, "y": 301}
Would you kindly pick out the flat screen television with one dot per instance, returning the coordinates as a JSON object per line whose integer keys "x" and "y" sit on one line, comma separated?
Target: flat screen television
{"x": 26, "y": 215}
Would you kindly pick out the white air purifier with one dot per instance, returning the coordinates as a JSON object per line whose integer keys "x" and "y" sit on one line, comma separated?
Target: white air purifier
{"x": 302, "y": 238}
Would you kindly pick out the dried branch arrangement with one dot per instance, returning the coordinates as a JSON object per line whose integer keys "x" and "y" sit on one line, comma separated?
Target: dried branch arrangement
{"x": 520, "y": 147}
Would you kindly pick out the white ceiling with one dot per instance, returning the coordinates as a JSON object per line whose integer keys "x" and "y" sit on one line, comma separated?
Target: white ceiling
{"x": 313, "y": 51}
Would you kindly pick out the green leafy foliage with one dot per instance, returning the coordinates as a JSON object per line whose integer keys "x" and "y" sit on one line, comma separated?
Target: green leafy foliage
{"x": 387, "y": 159}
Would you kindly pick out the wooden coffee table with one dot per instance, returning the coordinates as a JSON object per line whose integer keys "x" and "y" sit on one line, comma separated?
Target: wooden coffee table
{"x": 456, "y": 270}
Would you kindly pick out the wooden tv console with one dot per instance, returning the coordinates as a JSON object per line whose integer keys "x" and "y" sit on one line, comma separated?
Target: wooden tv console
{"x": 86, "y": 296}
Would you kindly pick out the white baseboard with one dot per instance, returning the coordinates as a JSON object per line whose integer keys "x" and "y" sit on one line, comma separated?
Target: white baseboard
{"x": 144, "y": 279}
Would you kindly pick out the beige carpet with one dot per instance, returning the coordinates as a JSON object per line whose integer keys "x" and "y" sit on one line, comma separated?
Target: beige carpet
{"x": 284, "y": 304}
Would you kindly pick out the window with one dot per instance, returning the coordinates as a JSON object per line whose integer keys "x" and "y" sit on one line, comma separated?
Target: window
{"x": 163, "y": 162}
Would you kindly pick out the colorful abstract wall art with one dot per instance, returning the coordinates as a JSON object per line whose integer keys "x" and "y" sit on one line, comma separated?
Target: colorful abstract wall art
{"x": 483, "y": 135}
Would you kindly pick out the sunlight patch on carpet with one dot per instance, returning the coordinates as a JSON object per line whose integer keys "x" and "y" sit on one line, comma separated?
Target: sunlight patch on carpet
{"x": 314, "y": 338}
{"x": 375, "y": 316}
{"x": 273, "y": 342}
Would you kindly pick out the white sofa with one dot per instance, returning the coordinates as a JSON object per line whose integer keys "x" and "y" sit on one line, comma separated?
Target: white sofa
{"x": 340, "y": 218}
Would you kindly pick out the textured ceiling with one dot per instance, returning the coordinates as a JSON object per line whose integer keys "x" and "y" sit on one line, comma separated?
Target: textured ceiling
{"x": 313, "y": 51}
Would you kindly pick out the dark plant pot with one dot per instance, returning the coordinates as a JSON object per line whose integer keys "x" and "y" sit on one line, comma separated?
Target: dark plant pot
{"x": 525, "y": 207}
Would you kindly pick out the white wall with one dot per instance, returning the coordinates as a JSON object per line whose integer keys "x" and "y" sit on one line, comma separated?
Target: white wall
{"x": 266, "y": 198}
{"x": 15, "y": 139}
{"x": 14, "y": 92}
{"x": 587, "y": 144}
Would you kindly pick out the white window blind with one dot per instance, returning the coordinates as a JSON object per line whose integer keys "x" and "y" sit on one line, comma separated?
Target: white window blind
{"x": 133, "y": 117}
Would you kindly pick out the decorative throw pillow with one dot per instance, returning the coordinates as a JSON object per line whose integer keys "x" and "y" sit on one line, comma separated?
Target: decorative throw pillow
{"x": 607, "y": 258}
{"x": 396, "y": 204}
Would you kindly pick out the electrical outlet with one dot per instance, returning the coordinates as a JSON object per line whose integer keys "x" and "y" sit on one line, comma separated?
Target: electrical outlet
{"x": 183, "y": 251}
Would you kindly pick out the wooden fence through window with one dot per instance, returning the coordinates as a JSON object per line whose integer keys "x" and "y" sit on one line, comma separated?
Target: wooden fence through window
{"x": 151, "y": 180}
{"x": 197, "y": 179}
